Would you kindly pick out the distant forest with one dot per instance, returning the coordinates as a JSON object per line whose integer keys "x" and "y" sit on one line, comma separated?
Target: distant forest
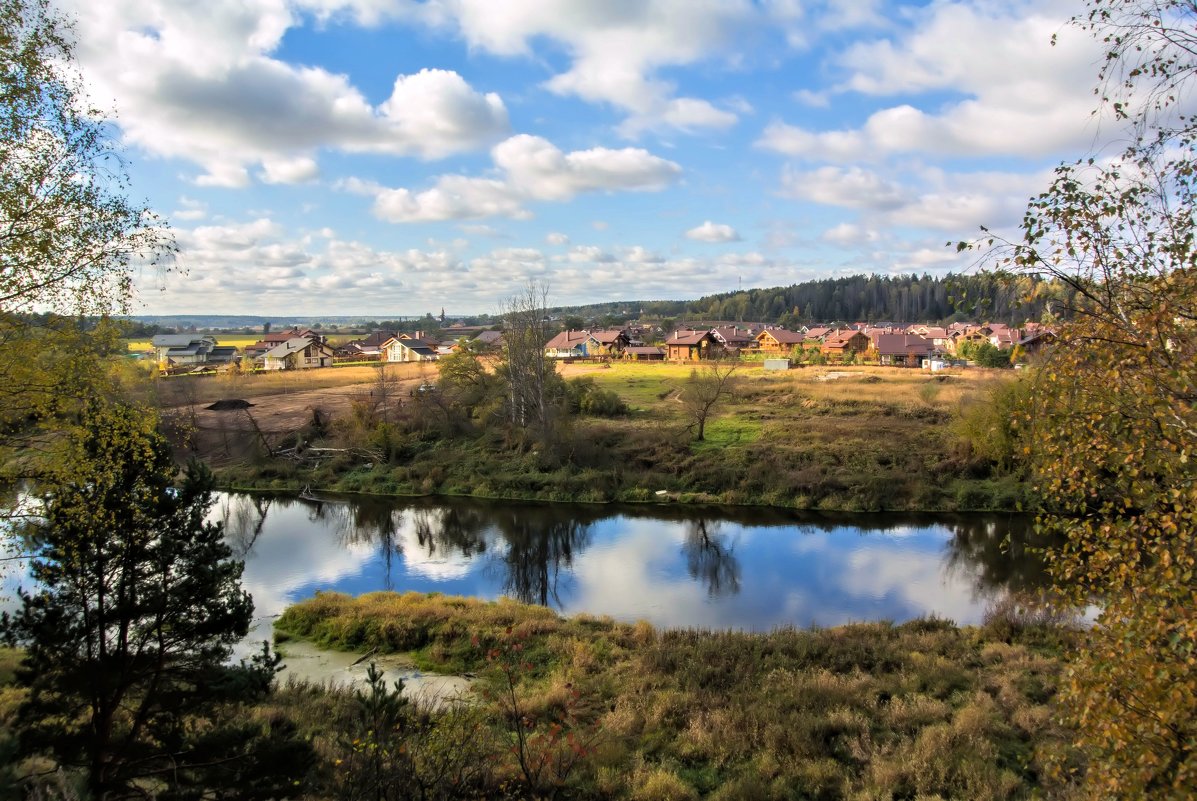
{"x": 983, "y": 297}
{"x": 987, "y": 296}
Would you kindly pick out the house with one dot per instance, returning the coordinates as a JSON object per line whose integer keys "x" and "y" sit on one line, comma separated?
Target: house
{"x": 734, "y": 339}
{"x": 489, "y": 340}
{"x": 689, "y": 346}
{"x": 399, "y": 349}
{"x": 845, "y": 342}
{"x": 368, "y": 348}
{"x": 779, "y": 340}
{"x": 644, "y": 353}
{"x": 276, "y": 338}
{"x": 298, "y": 353}
{"x": 971, "y": 335}
{"x": 179, "y": 350}
{"x": 903, "y": 350}
{"x": 1033, "y": 343}
{"x": 567, "y": 345}
{"x": 606, "y": 343}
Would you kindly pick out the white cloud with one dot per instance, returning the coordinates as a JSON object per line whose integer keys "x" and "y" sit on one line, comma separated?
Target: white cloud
{"x": 713, "y": 232}
{"x": 853, "y": 187}
{"x": 530, "y": 169}
{"x": 297, "y": 170}
{"x": 260, "y": 266}
{"x": 190, "y": 209}
{"x": 1020, "y": 92}
{"x": 849, "y": 234}
{"x": 556, "y": 238}
{"x": 616, "y": 49}
{"x": 198, "y": 82}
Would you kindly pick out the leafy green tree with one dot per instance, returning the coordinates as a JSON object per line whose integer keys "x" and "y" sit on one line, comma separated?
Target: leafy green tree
{"x": 70, "y": 236}
{"x": 1111, "y": 418}
{"x": 128, "y": 634}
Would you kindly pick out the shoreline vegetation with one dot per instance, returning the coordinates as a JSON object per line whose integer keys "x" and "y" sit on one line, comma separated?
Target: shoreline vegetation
{"x": 870, "y": 710}
{"x": 839, "y": 438}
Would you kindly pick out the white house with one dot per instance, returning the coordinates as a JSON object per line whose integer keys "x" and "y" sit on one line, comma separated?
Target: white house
{"x": 408, "y": 350}
{"x": 297, "y": 354}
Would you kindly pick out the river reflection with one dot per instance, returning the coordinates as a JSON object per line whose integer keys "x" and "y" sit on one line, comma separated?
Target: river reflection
{"x": 672, "y": 566}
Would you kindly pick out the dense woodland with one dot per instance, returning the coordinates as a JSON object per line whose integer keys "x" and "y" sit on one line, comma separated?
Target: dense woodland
{"x": 994, "y": 297}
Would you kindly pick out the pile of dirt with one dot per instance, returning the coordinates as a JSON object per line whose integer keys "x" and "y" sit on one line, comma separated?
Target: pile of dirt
{"x": 229, "y": 405}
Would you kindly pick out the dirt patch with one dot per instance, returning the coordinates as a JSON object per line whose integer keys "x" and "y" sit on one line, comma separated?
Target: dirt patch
{"x": 223, "y": 434}
{"x": 228, "y": 405}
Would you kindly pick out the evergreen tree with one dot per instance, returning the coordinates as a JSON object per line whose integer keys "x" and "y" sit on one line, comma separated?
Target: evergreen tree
{"x": 128, "y": 635}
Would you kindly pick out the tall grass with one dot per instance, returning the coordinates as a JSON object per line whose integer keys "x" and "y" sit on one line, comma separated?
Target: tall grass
{"x": 920, "y": 710}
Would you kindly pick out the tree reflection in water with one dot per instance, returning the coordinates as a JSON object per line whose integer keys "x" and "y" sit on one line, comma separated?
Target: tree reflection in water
{"x": 530, "y": 550}
{"x": 539, "y": 543}
{"x": 242, "y": 517}
{"x": 710, "y": 559}
{"x": 999, "y": 560}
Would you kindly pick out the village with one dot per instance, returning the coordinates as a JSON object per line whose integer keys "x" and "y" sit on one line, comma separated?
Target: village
{"x": 931, "y": 347}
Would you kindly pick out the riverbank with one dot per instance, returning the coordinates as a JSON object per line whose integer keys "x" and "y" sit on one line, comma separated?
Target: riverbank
{"x": 868, "y": 439}
{"x": 923, "y": 709}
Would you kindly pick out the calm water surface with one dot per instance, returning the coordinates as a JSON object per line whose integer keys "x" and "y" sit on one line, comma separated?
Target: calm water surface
{"x": 672, "y": 566}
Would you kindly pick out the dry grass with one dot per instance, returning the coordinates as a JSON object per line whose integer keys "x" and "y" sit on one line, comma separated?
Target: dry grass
{"x": 921, "y": 710}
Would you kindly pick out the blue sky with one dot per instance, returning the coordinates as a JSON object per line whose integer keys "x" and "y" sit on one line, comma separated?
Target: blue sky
{"x": 383, "y": 157}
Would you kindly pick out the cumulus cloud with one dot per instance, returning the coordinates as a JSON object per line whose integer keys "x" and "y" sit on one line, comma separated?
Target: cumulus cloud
{"x": 616, "y": 50}
{"x": 260, "y": 266}
{"x": 713, "y": 232}
{"x": 853, "y": 187}
{"x": 198, "y": 82}
{"x": 530, "y": 169}
{"x": 556, "y": 238}
{"x": 1019, "y": 92}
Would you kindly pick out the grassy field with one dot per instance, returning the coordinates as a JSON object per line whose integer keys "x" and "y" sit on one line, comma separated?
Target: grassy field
{"x": 861, "y": 438}
{"x": 867, "y": 711}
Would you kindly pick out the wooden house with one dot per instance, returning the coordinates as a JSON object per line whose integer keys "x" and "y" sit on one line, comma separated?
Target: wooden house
{"x": 691, "y": 346}
{"x": 845, "y": 342}
{"x": 903, "y": 350}
{"x": 606, "y": 343}
{"x": 779, "y": 341}
{"x": 644, "y": 353}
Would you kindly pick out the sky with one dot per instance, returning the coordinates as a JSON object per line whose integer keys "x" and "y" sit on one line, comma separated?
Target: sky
{"x": 392, "y": 157}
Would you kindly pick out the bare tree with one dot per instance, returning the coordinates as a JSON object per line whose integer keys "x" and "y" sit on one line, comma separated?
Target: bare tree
{"x": 703, "y": 391}
{"x": 530, "y": 375}
{"x": 385, "y": 391}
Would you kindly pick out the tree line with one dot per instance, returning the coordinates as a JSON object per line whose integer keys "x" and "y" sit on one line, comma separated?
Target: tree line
{"x": 989, "y": 295}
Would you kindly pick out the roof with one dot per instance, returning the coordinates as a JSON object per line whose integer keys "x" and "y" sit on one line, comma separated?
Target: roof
{"x": 903, "y": 345}
{"x": 689, "y": 338}
{"x": 567, "y": 340}
{"x": 608, "y": 337}
{"x": 841, "y": 337}
{"x": 489, "y": 337}
{"x": 285, "y": 349}
{"x": 732, "y": 334}
{"x": 784, "y": 337}
{"x": 647, "y": 350}
{"x": 179, "y": 340}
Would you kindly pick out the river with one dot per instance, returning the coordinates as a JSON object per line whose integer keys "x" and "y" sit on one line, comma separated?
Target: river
{"x": 674, "y": 566}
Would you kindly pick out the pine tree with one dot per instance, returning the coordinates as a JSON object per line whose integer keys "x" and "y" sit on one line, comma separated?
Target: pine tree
{"x": 128, "y": 635}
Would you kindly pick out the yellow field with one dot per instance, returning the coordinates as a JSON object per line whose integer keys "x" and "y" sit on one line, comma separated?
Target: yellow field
{"x": 236, "y": 340}
{"x": 239, "y": 341}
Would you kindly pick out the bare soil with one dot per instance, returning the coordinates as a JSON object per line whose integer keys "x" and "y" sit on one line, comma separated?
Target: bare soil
{"x": 228, "y": 436}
